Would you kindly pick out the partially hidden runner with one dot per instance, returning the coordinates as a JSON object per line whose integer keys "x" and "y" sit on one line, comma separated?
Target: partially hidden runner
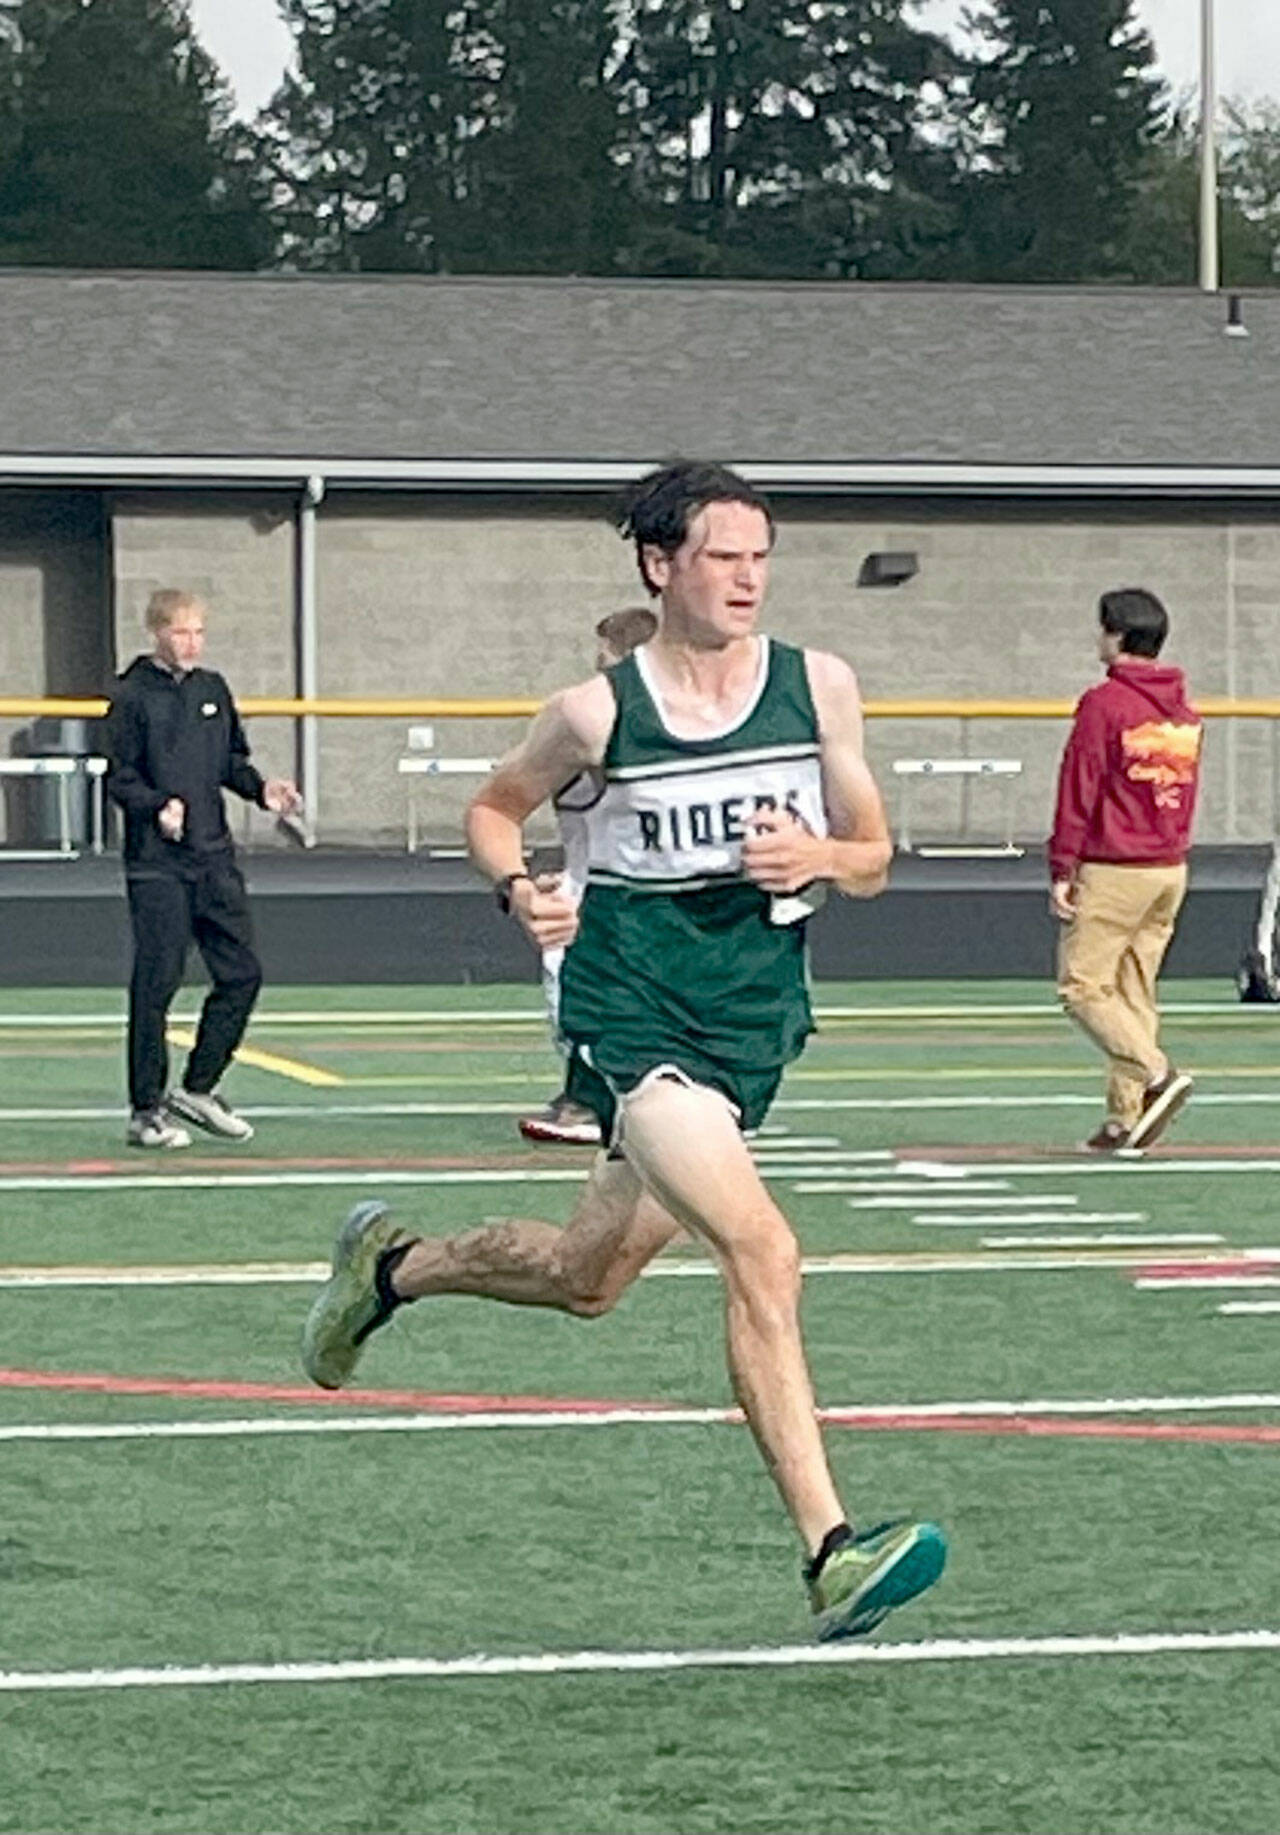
{"x": 564, "y": 1120}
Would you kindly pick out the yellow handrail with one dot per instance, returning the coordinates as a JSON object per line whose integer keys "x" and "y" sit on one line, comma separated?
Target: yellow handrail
{"x": 23, "y": 707}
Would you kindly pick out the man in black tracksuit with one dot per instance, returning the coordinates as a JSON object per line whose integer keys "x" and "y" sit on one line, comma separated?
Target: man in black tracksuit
{"x": 175, "y": 742}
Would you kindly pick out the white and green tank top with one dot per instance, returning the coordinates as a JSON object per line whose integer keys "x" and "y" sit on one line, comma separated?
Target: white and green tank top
{"x": 675, "y": 946}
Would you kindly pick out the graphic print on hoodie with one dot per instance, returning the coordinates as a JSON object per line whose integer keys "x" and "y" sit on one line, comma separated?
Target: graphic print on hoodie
{"x": 1130, "y": 772}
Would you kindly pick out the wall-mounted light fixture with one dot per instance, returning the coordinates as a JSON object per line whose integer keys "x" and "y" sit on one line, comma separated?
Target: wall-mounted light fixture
{"x": 889, "y": 568}
{"x": 1235, "y": 326}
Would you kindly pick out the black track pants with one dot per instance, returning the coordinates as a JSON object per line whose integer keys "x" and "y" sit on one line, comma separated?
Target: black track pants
{"x": 168, "y": 913}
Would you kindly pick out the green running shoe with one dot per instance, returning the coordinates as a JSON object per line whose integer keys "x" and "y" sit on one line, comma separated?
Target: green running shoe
{"x": 351, "y": 1304}
{"x": 863, "y": 1579}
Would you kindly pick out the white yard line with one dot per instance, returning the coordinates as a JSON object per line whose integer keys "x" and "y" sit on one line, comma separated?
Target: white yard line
{"x": 262, "y": 1274}
{"x": 242, "y": 1181}
{"x": 803, "y": 1169}
{"x": 267, "y": 1018}
{"x": 788, "y": 1152}
{"x": 1108, "y": 1165}
{"x": 865, "y": 1182}
{"x": 334, "y": 1421}
{"x": 266, "y": 1021}
{"x": 1250, "y": 1306}
{"x": 982, "y": 1219}
{"x": 325, "y": 1111}
{"x": 1182, "y": 1282}
{"x": 976, "y": 1175}
{"x": 892, "y": 1104}
{"x": 631, "y": 1662}
{"x": 770, "y": 1168}
{"x": 480, "y": 1420}
{"x": 910, "y": 1189}
{"x": 292, "y": 1111}
{"x": 1108, "y": 1241}
{"x": 916, "y": 1199}
{"x": 781, "y": 1140}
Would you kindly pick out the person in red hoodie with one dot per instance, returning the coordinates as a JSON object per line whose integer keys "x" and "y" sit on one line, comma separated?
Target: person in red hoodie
{"x": 1118, "y": 861}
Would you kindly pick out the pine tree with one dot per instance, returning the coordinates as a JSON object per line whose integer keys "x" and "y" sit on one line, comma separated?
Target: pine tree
{"x": 552, "y": 199}
{"x": 1251, "y": 193}
{"x": 117, "y": 152}
{"x": 767, "y": 136}
{"x": 446, "y": 135}
{"x": 1069, "y": 100}
{"x": 362, "y": 146}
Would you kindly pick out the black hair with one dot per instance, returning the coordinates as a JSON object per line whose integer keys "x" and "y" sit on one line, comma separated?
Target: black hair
{"x": 656, "y": 511}
{"x": 1137, "y": 618}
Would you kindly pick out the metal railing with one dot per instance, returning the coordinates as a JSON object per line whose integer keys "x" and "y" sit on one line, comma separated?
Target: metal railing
{"x": 409, "y": 707}
{"x": 964, "y": 712}
{"x": 63, "y": 771}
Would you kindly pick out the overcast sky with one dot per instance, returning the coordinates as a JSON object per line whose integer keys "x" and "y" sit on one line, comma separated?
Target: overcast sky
{"x": 252, "y": 46}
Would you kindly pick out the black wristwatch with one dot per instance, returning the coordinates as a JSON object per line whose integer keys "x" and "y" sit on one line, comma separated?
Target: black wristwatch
{"x": 502, "y": 890}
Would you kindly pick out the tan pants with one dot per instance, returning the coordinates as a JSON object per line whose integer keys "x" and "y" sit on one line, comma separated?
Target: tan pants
{"x": 1108, "y": 959}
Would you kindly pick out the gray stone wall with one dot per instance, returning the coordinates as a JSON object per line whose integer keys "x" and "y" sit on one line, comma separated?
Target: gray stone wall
{"x": 1004, "y": 605}
{"x": 237, "y": 553}
{"x": 460, "y": 598}
{"x": 496, "y": 595}
{"x": 476, "y": 598}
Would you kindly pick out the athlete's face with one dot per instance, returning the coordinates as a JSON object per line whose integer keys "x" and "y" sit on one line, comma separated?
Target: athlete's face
{"x": 180, "y": 642}
{"x": 714, "y": 584}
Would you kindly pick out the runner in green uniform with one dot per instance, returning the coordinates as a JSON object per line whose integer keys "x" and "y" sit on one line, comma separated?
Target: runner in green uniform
{"x": 734, "y": 791}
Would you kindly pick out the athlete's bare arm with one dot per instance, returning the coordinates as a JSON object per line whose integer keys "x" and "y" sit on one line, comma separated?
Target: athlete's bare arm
{"x": 568, "y": 735}
{"x": 782, "y": 856}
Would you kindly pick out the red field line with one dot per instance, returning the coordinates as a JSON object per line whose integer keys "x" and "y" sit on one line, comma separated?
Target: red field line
{"x": 1056, "y": 1427}
{"x": 1205, "y": 1270}
{"x": 215, "y": 1390}
{"x": 434, "y": 1402}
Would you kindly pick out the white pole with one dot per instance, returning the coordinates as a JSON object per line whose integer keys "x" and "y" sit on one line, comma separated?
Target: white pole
{"x": 1208, "y": 155}
{"x": 309, "y": 652}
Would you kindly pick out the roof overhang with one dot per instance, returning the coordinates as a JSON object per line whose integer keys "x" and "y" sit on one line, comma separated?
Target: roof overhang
{"x": 834, "y": 478}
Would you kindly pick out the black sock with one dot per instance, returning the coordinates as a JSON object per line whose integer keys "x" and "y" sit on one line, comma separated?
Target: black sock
{"x": 384, "y": 1269}
{"x": 834, "y": 1538}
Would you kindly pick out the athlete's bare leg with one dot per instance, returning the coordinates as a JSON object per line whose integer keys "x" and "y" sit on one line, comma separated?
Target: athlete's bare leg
{"x": 686, "y": 1145}
{"x": 582, "y": 1267}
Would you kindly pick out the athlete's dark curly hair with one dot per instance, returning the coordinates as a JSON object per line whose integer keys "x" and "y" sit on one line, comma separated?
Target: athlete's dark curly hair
{"x": 655, "y": 511}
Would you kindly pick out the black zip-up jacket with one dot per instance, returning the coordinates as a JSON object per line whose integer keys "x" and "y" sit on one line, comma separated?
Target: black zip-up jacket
{"x": 169, "y": 736}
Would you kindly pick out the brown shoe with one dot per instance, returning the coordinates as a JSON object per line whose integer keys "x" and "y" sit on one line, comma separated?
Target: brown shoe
{"x": 1160, "y": 1103}
{"x": 1111, "y": 1137}
{"x": 564, "y": 1121}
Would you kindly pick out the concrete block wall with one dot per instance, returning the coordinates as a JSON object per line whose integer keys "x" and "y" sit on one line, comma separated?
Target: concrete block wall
{"x": 1004, "y": 605}
{"x": 456, "y": 597}
{"x": 237, "y": 553}
{"x": 496, "y": 595}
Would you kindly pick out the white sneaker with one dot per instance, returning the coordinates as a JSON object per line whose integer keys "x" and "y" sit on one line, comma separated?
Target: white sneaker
{"x": 210, "y": 1113}
{"x": 152, "y": 1128}
{"x": 563, "y": 1120}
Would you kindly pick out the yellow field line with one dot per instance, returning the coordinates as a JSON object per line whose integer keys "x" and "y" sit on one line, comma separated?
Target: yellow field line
{"x": 294, "y": 1068}
{"x": 452, "y": 1078}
